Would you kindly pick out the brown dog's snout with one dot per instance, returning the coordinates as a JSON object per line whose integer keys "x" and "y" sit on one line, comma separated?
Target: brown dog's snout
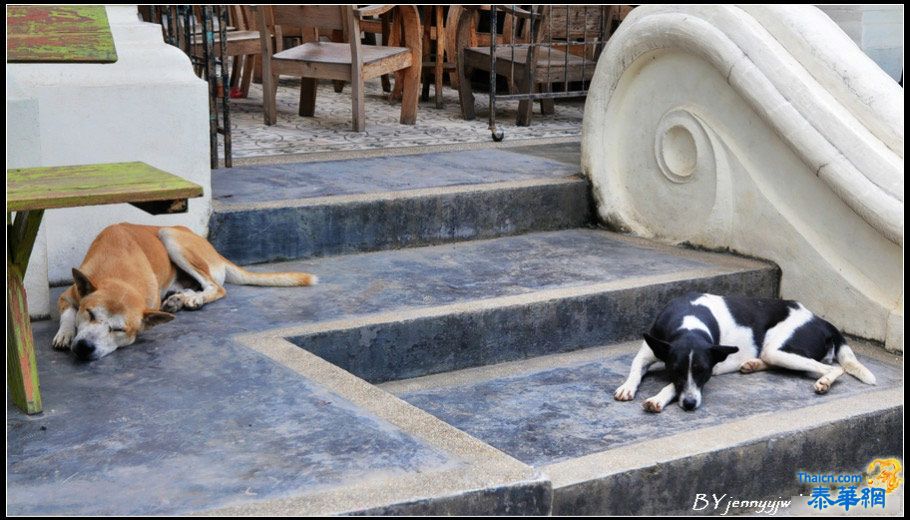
{"x": 84, "y": 350}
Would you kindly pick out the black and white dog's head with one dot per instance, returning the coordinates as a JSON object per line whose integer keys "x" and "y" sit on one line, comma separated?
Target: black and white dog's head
{"x": 689, "y": 359}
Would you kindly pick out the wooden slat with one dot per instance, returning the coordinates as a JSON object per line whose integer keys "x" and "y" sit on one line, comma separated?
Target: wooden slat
{"x": 63, "y": 34}
{"x": 551, "y": 62}
{"x": 71, "y": 186}
{"x": 337, "y": 53}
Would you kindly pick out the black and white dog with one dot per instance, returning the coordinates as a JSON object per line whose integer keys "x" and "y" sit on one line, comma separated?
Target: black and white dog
{"x": 699, "y": 335}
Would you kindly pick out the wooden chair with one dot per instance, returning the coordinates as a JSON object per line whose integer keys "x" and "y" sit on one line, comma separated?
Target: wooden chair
{"x": 560, "y": 52}
{"x": 243, "y": 45}
{"x": 351, "y": 62}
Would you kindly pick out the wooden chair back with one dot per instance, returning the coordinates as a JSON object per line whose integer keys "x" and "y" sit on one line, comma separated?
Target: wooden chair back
{"x": 306, "y": 20}
{"x": 574, "y": 22}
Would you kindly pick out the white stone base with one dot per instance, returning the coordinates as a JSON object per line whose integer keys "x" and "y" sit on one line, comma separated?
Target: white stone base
{"x": 762, "y": 129}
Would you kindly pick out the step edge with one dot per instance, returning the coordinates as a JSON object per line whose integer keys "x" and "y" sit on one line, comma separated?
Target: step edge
{"x": 221, "y": 207}
{"x": 514, "y": 368}
{"x": 406, "y": 314}
{"x": 604, "y": 464}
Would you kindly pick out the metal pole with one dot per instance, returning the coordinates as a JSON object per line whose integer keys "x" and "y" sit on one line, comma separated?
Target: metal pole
{"x": 225, "y": 89}
{"x": 497, "y": 135}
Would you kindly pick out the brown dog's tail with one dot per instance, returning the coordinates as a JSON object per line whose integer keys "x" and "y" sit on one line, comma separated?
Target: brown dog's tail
{"x": 238, "y": 275}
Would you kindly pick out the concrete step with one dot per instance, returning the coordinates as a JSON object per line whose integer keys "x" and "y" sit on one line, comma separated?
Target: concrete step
{"x": 262, "y": 402}
{"x": 748, "y": 440}
{"x": 412, "y": 312}
{"x": 290, "y": 211}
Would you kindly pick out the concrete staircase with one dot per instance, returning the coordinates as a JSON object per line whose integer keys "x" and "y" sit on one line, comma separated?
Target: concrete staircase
{"x": 458, "y": 357}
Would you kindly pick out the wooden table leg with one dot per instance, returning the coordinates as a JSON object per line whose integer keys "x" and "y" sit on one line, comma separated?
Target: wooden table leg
{"x": 22, "y": 372}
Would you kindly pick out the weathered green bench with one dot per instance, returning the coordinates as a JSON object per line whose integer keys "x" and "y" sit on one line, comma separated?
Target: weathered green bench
{"x": 30, "y": 191}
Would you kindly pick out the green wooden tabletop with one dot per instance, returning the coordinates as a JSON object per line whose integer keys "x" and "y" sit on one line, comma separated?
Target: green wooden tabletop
{"x": 70, "y": 186}
{"x": 59, "y": 34}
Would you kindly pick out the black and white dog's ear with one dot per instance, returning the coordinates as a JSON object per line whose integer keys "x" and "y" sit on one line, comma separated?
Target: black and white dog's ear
{"x": 660, "y": 348}
{"x": 720, "y": 352}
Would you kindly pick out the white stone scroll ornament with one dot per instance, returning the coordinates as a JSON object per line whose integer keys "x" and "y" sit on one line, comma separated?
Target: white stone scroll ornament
{"x": 763, "y": 130}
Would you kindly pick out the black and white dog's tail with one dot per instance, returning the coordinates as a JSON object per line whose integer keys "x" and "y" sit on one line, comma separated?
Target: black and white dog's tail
{"x": 847, "y": 360}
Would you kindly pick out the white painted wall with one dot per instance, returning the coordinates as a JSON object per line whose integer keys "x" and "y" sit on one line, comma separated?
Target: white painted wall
{"x": 877, "y": 29}
{"x": 148, "y": 106}
{"x": 23, "y": 149}
{"x": 761, "y": 129}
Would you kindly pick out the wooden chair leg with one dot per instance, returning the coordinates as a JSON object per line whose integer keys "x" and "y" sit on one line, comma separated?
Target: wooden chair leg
{"x": 440, "y": 55}
{"x": 386, "y": 27}
{"x": 547, "y": 105}
{"x": 451, "y": 39}
{"x": 425, "y": 73}
{"x": 307, "y": 97}
{"x": 257, "y": 70}
{"x": 236, "y": 66}
{"x": 357, "y": 106}
{"x": 269, "y": 95}
{"x": 465, "y": 93}
{"x": 410, "y": 77}
{"x": 395, "y": 40}
{"x": 338, "y": 37}
{"x": 525, "y": 107}
{"x": 249, "y": 63}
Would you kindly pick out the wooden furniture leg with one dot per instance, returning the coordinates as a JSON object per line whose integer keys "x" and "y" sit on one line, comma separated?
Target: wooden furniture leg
{"x": 440, "y": 55}
{"x": 547, "y": 105}
{"x": 410, "y": 33}
{"x": 249, "y": 63}
{"x": 338, "y": 37}
{"x": 451, "y": 30}
{"x": 22, "y": 371}
{"x": 395, "y": 40}
{"x": 465, "y": 93}
{"x": 307, "y": 97}
{"x": 427, "y": 27}
{"x": 386, "y": 82}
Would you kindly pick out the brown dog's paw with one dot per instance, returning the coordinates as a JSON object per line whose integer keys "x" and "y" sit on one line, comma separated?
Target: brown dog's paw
{"x": 172, "y": 303}
{"x": 62, "y": 340}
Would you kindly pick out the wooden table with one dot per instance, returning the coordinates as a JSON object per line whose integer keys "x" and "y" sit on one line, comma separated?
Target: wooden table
{"x": 59, "y": 34}
{"x": 30, "y": 191}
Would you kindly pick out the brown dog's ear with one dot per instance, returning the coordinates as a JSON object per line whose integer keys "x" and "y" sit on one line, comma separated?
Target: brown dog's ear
{"x": 152, "y": 318}
{"x": 84, "y": 285}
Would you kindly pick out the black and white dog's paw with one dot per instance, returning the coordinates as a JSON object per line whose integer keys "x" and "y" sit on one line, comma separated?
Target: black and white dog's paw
{"x": 626, "y": 392}
{"x": 653, "y": 405}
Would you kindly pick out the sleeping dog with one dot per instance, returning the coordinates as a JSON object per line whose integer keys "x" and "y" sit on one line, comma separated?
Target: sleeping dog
{"x": 699, "y": 335}
{"x": 118, "y": 289}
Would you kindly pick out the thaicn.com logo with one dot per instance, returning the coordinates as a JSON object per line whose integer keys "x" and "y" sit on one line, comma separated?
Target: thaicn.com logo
{"x": 868, "y": 490}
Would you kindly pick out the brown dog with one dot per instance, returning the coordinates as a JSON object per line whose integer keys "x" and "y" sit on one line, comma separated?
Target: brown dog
{"x": 129, "y": 268}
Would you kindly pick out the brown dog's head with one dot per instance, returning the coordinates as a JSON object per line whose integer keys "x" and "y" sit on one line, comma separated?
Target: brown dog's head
{"x": 111, "y": 314}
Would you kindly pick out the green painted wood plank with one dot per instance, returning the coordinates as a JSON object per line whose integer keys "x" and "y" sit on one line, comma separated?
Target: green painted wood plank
{"x": 93, "y": 184}
{"x": 59, "y": 33}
